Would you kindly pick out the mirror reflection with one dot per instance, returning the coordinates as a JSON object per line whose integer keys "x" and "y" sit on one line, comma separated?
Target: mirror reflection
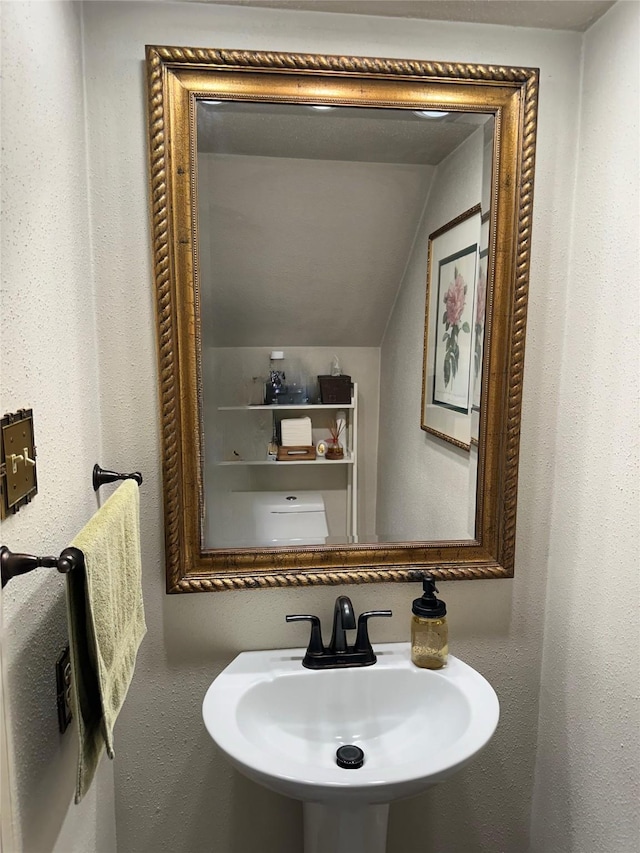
{"x": 329, "y": 416}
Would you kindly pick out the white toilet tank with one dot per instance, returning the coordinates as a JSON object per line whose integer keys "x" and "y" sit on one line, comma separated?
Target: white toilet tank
{"x": 289, "y": 518}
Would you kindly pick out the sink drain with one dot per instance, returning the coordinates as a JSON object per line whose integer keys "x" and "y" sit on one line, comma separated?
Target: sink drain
{"x": 350, "y": 757}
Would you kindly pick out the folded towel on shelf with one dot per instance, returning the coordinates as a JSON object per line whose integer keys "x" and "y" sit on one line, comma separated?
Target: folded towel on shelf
{"x": 296, "y": 432}
{"x": 106, "y": 624}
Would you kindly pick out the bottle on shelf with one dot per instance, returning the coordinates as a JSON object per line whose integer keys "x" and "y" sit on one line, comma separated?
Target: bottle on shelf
{"x": 275, "y": 388}
{"x": 341, "y": 425}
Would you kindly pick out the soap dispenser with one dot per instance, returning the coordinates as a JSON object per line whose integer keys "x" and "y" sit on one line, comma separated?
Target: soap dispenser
{"x": 429, "y": 632}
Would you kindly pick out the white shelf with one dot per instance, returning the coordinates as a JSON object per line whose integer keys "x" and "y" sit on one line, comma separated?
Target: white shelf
{"x": 348, "y": 460}
{"x": 286, "y": 407}
{"x": 348, "y": 465}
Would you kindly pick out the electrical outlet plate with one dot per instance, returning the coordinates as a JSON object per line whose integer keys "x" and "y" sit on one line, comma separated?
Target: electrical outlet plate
{"x": 63, "y": 686}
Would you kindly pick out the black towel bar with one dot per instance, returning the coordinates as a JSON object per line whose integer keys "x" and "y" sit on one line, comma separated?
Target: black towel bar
{"x": 12, "y": 564}
{"x": 101, "y": 477}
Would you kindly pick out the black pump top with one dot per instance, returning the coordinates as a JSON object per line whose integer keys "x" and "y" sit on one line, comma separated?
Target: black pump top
{"x": 429, "y": 607}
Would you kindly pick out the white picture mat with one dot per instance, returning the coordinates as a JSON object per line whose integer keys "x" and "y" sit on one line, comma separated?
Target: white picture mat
{"x": 455, "y": 392}
{"x": 455, "y": 425}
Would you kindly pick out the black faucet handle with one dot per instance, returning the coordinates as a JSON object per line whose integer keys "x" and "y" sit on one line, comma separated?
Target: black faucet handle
{"x": 363, "y": 643}
{"x": 316, "y": 646}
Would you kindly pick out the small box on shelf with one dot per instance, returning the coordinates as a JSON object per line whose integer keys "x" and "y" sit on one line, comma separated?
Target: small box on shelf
{"x": 296, "y": 454}
{"x": 335, "y": 389}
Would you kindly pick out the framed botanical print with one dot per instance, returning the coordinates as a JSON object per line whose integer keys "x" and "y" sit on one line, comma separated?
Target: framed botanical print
{"x": 449, "y": 374}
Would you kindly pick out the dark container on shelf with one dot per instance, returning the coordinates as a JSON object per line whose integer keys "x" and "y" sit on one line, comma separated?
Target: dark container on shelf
{"x": 335, "y": 389}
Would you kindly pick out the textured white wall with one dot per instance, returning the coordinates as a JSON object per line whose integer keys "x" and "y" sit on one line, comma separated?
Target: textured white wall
{"x": 174, "y": 791}
{"x": 588, "y": 769}
{"x": 425, "y": 485}
{"x": 49, "y": 363}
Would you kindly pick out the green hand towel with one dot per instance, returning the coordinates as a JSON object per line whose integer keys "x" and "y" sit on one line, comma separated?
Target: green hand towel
{"x": 106, "y": 624}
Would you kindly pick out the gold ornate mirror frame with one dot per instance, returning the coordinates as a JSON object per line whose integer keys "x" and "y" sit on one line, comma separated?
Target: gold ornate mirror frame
{"x": 177, "y": 78}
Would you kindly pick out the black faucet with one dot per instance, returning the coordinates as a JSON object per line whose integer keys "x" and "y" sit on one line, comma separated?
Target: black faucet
{"x": 339, "y": 653}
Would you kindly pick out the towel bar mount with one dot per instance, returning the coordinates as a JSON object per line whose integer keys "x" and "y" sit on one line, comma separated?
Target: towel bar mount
{"x": 13, "y": 564}
{"x": 101, "y": 476}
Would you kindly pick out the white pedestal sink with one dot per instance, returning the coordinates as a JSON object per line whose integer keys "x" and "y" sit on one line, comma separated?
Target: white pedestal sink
{"x": 281, "y": 724}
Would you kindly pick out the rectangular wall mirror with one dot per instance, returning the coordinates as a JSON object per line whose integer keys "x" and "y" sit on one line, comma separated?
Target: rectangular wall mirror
{"x": 361, "y": 220}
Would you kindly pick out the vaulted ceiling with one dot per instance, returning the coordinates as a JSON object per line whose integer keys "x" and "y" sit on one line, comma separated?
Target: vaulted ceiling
{"x": 307, "y": 218}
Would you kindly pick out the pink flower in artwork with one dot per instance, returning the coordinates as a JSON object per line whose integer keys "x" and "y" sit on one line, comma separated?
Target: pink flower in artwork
{"x": 454, "y": 300}
{"x": 481, "y": 297}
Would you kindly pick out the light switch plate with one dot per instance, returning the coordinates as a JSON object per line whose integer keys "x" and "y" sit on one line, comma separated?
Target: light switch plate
{"x": 18, "y": 483}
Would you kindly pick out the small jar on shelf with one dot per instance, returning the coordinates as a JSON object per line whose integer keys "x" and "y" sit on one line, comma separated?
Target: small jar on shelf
{"x": 335, "y": 449}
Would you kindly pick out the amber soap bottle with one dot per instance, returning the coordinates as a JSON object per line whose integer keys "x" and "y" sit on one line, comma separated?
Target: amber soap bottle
{"x": 429, "y": 631}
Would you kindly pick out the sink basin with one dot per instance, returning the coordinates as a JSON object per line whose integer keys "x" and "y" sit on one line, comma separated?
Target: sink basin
{"x": 281, "y": 724}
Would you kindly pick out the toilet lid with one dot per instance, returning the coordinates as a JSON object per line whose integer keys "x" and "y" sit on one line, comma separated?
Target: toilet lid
{"x": 288, "y": 502}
